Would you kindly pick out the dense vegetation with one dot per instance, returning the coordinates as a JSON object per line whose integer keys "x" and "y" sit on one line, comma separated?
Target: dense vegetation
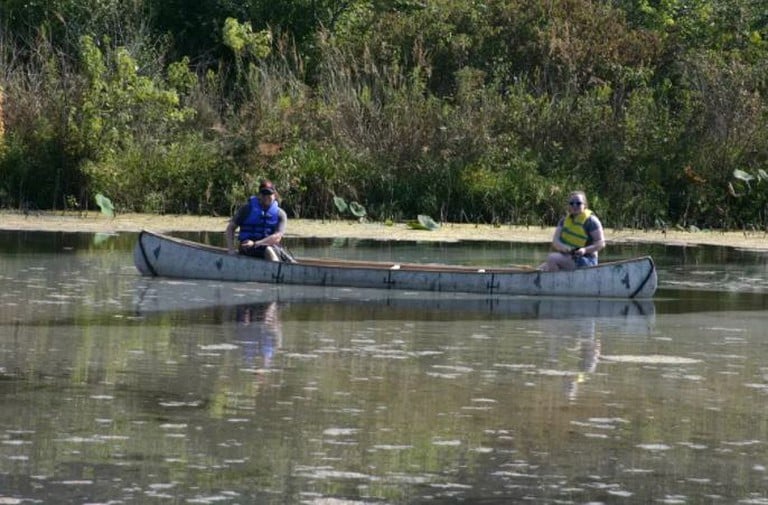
{"x": 482, "y": 111}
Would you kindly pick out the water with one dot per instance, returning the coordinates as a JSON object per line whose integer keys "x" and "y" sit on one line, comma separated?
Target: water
{"x": 121, "y": 389}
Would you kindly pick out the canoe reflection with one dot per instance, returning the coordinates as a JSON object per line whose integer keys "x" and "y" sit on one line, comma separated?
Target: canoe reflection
{"x": 160, "y": 295}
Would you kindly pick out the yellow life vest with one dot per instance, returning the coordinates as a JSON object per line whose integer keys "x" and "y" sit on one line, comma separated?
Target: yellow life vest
{"x": 573, "y": 233}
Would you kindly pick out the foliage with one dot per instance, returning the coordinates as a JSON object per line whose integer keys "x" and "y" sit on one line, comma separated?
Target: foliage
{"x": 181, "y": 177}
{"x": 468, "y": 111}
{"x": 241, "y": 38}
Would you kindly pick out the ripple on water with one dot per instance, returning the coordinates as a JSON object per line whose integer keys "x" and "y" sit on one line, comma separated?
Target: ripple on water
{"x": 650, "y": 359}
{"x": 654, "y": 447}
{"x": 325, "y": 472}
{"x": 339, "y": 432}
{"x": 334, "y": 501}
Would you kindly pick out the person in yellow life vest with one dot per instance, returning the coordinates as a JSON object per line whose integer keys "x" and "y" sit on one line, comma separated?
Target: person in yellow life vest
{"x": 578, "y": 237}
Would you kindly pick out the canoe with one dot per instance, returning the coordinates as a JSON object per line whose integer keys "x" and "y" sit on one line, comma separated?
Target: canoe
{"x": 161, "y": 255}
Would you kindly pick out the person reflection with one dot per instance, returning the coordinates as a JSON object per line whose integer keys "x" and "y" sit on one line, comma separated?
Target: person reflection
{"x": 260, "y": 334}
{"x": 587, "y": 349}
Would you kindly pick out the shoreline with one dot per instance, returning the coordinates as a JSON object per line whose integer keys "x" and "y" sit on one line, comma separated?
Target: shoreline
{"x": 94, "y": 222}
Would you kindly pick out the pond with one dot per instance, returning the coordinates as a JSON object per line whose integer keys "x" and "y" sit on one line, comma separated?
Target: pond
{"x": 116, "y": 388}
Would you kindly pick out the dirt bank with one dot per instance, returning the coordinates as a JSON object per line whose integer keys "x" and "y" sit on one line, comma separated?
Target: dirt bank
{"x": 95, "y": 222}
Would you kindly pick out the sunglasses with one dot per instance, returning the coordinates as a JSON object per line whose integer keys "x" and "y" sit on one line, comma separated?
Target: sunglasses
{"x": 265, "y": 192}
{"x": 575, "y": 202}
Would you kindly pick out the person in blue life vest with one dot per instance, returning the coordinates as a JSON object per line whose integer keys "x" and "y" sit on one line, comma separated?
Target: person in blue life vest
{"x": 578, "y": 237}
{"x": 261, "y": 224}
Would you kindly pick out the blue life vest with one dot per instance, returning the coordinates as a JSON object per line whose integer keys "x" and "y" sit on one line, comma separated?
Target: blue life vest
{"x": 260, "y": 223}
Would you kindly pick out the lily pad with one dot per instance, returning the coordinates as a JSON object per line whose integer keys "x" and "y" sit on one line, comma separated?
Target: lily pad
{"x": 105, "y": 204}
{"x": 427, "y": 222}
{"x": 742, "y": 175}
{"x": 423, "y": 222}
{"x": 356, "y": 209}
{"x": 341, "y": 204}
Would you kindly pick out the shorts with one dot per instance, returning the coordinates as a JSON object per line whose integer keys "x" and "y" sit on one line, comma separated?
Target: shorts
{"x": 254, "y": 251}
{"x": 259, "y": 250}
{"x": 585, "y": 261}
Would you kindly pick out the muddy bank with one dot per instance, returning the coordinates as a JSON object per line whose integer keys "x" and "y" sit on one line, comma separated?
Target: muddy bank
{"x": 95, "y": 222}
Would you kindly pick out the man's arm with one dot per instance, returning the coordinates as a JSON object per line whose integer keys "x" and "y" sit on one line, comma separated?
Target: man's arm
{"x": 233, "y": 224}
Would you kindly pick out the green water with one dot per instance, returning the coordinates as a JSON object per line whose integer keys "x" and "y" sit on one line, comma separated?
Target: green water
{"x": 121, "y": 389}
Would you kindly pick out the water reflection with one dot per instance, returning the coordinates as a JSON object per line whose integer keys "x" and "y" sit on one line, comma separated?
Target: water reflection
{"x": 259, "y": 332}
{"x": 587, "y": 348}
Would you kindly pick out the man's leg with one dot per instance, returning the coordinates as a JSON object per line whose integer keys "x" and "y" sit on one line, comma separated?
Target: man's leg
{"x": 270, "y": 254}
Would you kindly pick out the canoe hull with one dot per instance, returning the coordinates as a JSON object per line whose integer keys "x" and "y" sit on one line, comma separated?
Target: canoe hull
{"x": 160, "y": 255}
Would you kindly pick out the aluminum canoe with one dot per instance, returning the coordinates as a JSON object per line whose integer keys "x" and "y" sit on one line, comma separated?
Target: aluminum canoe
{"x": 161, "y": 255}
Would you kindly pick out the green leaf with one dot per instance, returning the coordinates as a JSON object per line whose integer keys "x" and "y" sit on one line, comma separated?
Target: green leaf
{"x": 105, "y": 204}
{"x": 762, "y": 174}
{"x": 356, "y": 209}
{"x": 340, "y": 203}
{"x": 427, "y": 222}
